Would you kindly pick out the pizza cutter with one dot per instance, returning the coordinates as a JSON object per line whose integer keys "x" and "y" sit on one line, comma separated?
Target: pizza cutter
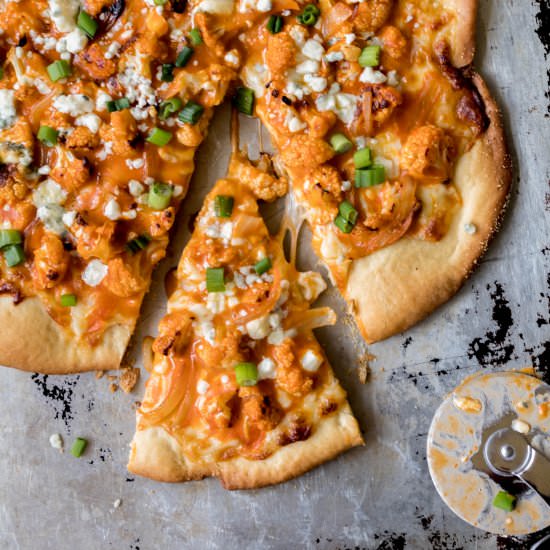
{"x": 491, "y": 435}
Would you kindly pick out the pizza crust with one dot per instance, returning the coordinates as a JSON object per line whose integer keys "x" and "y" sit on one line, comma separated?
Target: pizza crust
{"x": 157, "y": 455}
{"x": 31, "y": 340}
{"x": 461, "y": 34}
{"x": 396, "y": 287}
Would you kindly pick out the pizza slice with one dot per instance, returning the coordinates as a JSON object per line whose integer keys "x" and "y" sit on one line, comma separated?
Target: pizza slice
{"x": 239, "y": 388}
{"x": 102, "y": 107}
{"x": 393, "y": 145}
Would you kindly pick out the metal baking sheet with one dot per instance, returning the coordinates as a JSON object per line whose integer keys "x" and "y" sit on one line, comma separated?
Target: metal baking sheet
{"x": 376, "y": 497}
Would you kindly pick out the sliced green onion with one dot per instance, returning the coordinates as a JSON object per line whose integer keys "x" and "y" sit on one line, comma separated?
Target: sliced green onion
{"x": 138, "y": 243}
{"x": 215, "y": 279}
{"x": 160, "y": 2}
{"x": 246, "y": 374}
{"x": 191, "y": 113}
{"x": 342, "y": 224}
{"x": 1, "y": 73}
{"x": 348, "y": 212}
{"x": 118, "y": 104}
{"x": 47, "y": 135}
{"x": 68, "y": 300}
{"x": 58, "y": 70}
{"x": 275, "y": 24}
{"x": 167, "y": 72}
{"x": 87, "y": 23}
{"x": 13, "y": 254}
{"x": 170, "y": 107}
{"x": 505, "y": 501}
{"x": 309, "y": 16}
{"x": 159, "y": 137}
{"x": 244, "y": 100}
{"x": 184, "y": 56}
{"x": 10, "y": 236}
{"x": 340, "y": 143}
{"x": 367, "y": 177}
{"x": 79, "y": 446}
{"x": 223, "y": 206}
{"x": 195, "y": 37}
{"x": 370, "y": 56}
{"x": 262, "y": 266}
{"x": 160, "y": 195}
{"x": 362, "y": 158}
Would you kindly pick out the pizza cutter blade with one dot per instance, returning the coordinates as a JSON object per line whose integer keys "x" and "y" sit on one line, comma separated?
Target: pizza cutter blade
{"x": 492, "y": 434}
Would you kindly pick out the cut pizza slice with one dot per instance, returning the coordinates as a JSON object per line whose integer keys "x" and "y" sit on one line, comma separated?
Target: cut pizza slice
{"x": 102, "y": 107}
{"x": 239, "y": 387}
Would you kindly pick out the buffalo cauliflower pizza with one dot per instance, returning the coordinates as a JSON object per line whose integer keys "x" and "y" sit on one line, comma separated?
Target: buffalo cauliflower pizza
{"x": 387, "y": 143}
{"x": 239, "y": 387}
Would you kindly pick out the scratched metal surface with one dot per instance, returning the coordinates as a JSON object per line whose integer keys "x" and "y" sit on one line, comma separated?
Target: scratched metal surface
{"x": 379, "y": 496}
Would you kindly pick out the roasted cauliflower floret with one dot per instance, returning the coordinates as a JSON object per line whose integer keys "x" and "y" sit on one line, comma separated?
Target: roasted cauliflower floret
{"x": 258, "y": 410}
{"x": 290, "y": 376}
{"x": 395, "y": 43}
{"x": 121, "y": 132}
{"x": 174, "y": 333}
{"x": 50, "y": 263}
{"x": 16, "y": 144}
{"x": 428, "y": 153}
{"x": 93, "y": 240}
{"x": 122, "y": 281}
{"x": 280, "y": 54}
{"x": 307, "y": 152}
{"x": 328, "y": 179}
{"x": 190, "y": 135}
{"x": 93, "y": 62}
{"x": 216, "y": 409}
{"x": 70, "y": 171}
{"x": 372, "y": 14}
{"x": 82, "y": 138}
{"x": 319, "y": 123}
{"x": 382, "y": 99}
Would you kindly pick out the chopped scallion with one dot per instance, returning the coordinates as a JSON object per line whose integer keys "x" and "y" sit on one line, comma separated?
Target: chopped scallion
{"x": 505, "y": 501}
{"x": 244, "y": 100}
{"x": 195, "y": 37}
{"x": 348, "y": 212}
{"x": 362, "y": 158}
{"x": 340, "y": 143}
{"x": 246, "y": 374}
{"x": 160, "y": 2}
{"x": 370, "y": 56}
{"x": 160, "y": 195}
{"x": 47, "y": 135}
{"x": 58, "y": 70}
{"x": 262, "y": 266}
{"x": 215, "y": 279}
{"x": 10, "y": 236}
{"x": 79, "y": 446}
{"x": 87, "y": 23}
{"x": 275, "y": 24}
{"x": 367, "y": 177}
{"x": 191, "y": 113}
{"x": 342, "y": 224}
{"x": 184, "y": 56}
{"x": 170, "y": 107}
{"x": 167, "y": 72}
{"x": 159, "y": 137}
{"x": 118, "y": 104}
{"x": 309, "y": 16}
{"x": 68, "y": 300}
{"x": 223, "y": 206}
{"x": 138, "y": 243}
{"x": 13, "y": 254}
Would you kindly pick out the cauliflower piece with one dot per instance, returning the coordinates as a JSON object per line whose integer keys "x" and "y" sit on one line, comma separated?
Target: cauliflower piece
{"x": 50, "y": 262}
{"x": 92, "y": 62}
{"x": 328, "y": 178}
{"x": 122, "y": 281}
{"x": 428, "y": 153}
{"x": 174, "y": 333}
{"x": 280, "y": 54}
{"x": 121, "y": 131}
{"x": 69, "y": 171}
{"x": 258, "y": 410}
{"x": 305, "y": 151}
{"x": 82, "y": 138}
{"x": 290, "y": 376}
{"x": 394, "y": 41}
{"x": 372, "y": 14}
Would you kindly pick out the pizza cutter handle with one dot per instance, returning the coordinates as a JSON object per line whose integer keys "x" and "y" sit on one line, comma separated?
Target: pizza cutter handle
{"x": 537, "y": 474}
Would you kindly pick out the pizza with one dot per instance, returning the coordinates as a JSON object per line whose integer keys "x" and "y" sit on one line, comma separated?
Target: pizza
{"x": 239, "y": 388}
{"x": 387, "y": 143}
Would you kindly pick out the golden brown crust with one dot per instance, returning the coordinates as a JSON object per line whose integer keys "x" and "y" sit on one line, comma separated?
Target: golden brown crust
{"x": 396, "y": 287}
{"x": 155, "y": 454}
{"x": 31, "y": 340}
{"x": 461, "y": 34}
